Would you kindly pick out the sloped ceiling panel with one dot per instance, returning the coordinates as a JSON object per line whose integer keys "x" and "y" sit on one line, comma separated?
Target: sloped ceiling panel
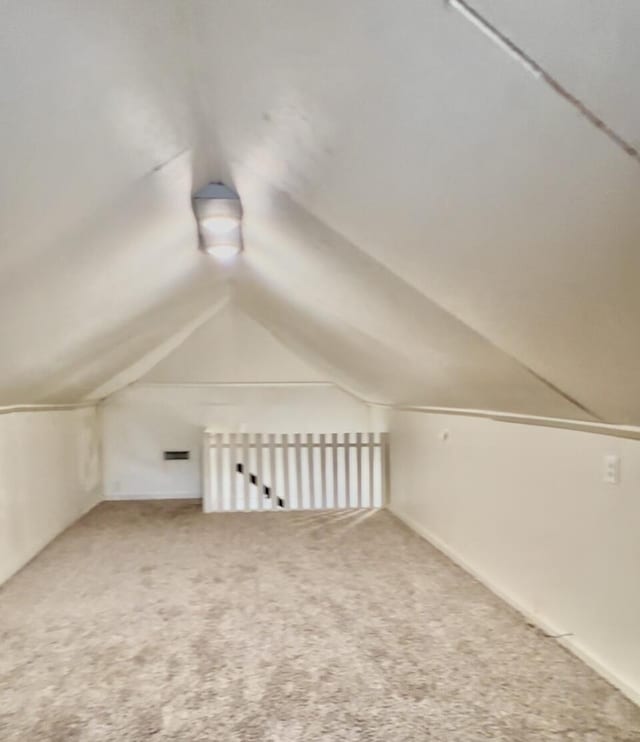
{"x": 590, "y": 46}
{"x": 97, "y": 261}
{"x": 376, "y": 333}
{"x": 407, "y": 131}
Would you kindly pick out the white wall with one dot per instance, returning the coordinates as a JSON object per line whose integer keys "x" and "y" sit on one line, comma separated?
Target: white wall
{"x": 232, "y": 347}
{"x": 49, "y": 477}
{"x": 230, "y": 375}
{"x": 525, "y": 509}
{"x": 142, "y": 421}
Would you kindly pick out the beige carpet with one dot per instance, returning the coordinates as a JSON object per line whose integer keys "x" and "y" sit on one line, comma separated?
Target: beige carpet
{"x": 153, "y": 621}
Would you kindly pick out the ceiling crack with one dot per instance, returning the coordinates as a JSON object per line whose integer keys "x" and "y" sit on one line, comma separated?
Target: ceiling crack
{"x": 503, "y": 41}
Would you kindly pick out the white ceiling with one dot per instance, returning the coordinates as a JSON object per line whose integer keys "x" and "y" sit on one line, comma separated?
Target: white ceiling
{"x": 590, "y": 47}
{"x": 97, "y": 258}
{"x": 426, "y": 222}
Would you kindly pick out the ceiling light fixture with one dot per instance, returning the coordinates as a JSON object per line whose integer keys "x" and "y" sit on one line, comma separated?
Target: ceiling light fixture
{"x": 223, "y": 251}
{"x": 219, "y": 224}
{"x": 219, "y": 214}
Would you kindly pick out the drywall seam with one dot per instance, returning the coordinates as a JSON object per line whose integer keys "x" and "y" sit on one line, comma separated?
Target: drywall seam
{"x": 540, "y": 72}
{"x": 165, "y": 163}
{"x": 554, "y": 633}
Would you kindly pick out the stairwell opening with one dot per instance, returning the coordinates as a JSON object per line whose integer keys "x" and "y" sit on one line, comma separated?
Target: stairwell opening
{"x": 282, "y": 471}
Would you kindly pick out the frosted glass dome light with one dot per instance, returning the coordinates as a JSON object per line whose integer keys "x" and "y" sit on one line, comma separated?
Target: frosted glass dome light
{"x": 219, "y": 214}
{"x": 223, "y": 251}
{"x": 220, "y": 224}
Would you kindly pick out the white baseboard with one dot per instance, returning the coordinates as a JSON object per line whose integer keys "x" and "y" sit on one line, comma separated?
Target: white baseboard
{"x": 153, "y": 496}
{"x": 571, "y": 643}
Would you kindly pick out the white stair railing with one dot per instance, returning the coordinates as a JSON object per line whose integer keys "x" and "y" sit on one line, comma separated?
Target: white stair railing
{"x": 284, "y": 471}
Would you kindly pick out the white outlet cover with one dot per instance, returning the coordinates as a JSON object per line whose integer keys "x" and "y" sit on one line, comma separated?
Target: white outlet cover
{"x": 611, "y": 473}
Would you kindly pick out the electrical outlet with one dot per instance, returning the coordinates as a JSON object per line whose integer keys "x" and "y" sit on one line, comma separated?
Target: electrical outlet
{"x": 611, "y": 470}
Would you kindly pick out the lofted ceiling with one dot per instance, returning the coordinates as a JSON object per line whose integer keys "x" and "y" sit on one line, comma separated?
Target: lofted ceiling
{"x": 426, "y": 222}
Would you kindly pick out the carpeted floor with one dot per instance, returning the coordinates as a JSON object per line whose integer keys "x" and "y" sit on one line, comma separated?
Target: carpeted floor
{"x": 153, "y": 621}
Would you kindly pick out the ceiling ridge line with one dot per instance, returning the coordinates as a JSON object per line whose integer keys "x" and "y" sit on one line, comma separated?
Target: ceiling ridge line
{"x": 241, "y": 305}
{"x": 502, "y": 40}
{"x": 151, "y": 358}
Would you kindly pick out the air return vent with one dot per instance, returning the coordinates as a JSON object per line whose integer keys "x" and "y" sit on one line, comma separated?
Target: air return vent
{"x": 176, "y": 455}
